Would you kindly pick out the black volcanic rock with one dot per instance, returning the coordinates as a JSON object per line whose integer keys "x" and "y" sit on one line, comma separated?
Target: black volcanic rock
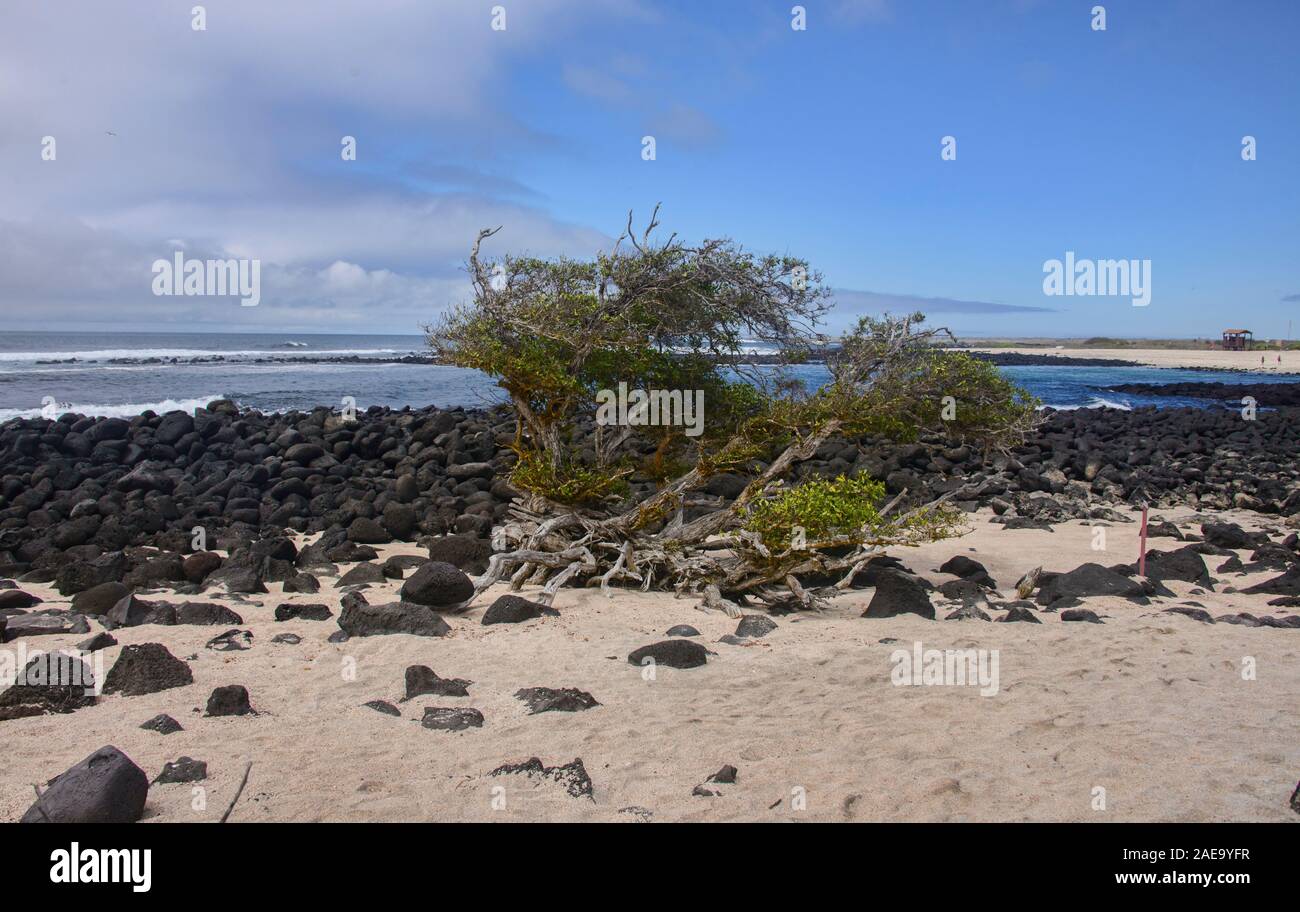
{"x": 288, "y": 611}
{"x": 572, "y": 776}
{"x": 1088, "y": 580}
{"x": 673, "y": 653}
{"x": 421, "y": 680}
{"x": 546, "y": 699}
{"x": 437, "y": 585}
{"x": 1184, "y": 564}
{"x": 184, "y": 769}
{"x": 754, "y": 625}
{"x": 1286, "y": 584}
{"x": 898, "y": 593}
{"x": 452, "y": 719}
{"x": 395, "y": 617}
{"x": 146, "y": 668}
{"x": 163, "y": 724}
{"x": 106, "y": 787}
{"x": 511, "y": 609}
{"x": 1231, "y": 535}
{"x": 52, "y": 682}
{"x": 467, "y": 552}
{"x": 1081, "y": 614}
{"x": 17, "y": 598}
{"x": 1017, "y": 613}
{"x": 231, "y": 700}
{"x": 99, "y": 600}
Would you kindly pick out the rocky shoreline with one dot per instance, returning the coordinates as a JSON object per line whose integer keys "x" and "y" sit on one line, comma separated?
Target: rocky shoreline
{"x": 1268, "y": 395}
{"x": 75, "y": 488}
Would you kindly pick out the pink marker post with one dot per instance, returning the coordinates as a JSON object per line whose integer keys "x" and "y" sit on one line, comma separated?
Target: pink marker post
{"x": 1142, "y": 546}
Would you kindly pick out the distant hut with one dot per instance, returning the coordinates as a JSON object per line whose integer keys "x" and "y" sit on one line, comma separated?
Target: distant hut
{"x": 1237, "y": 340}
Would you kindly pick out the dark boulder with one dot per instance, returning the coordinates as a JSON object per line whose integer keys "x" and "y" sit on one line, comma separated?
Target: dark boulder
{"x": 394, "y": 617}
{"x": 1185, "y": 564}
{"x": 673, "y": 653}
{"x": 438, "y": 585}
{"x": 969, "y": 612}
{"x": 511, "y": 609}
{"x": 546, "y": 699}
{"x": 754, "y": 625}
{"x": 99, "y": 600}
{"x": 421, "y": 680}
{"x": 365, "y": 531}
{"x": 44, "y": 623}
{"x": 1088, "y": 580}
{"x": 1231, "y": 535}
{"x": 101, "y": 640}
{"x": 131, "y": 611}
{"x": 302, "y": 583}
{"x": 163, "y": 724}
{"x": 52, "y": 682}
{"x": 466, "y": 552}
{"x": 898, "y": 593}
{"x": 1020, "y": 614}
{"x": 196, "y": 567}
{"x": 1286, "y": 584}
{"x": 205, "y": 613}
{"x": 572, "y": 776}
{"x": 184, "y": 769}
{"x": 362, "y": 575}
{"x": 1080, "y": 614}
{"x": 106, "y": 787}
{"x": 17, "y": 599}
{"x": 231, "y": 700}
{"x": 289, "y": 612}
{"x": 447, "y": 718}
{"x": 146, "y": 668}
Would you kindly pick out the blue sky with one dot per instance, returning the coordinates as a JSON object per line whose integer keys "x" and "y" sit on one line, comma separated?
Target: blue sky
{"x": 1123, "y": 143}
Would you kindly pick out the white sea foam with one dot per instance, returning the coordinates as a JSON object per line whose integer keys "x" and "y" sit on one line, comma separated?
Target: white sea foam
{"x": 139, "y": 354}
{"x": 1094, "y": 402}
{"x": 125, "y": 410}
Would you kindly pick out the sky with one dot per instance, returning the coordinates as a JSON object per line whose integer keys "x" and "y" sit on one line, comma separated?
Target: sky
{"x": 824, "y": 142}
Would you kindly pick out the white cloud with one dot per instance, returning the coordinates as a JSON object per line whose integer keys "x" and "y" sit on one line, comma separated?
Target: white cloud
{"x": 227, "y": 143}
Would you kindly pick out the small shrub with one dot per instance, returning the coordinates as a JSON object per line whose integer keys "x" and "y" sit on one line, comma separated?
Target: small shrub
{"x": 571, "y": 483}
{"x": 827, "y": 509}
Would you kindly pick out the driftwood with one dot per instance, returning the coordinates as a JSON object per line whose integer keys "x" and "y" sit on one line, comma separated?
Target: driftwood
{"x": 711, "y": 557}
{"x": 239, "y": 791}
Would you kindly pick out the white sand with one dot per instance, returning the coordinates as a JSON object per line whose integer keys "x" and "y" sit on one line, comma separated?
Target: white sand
{"x": 1161, "y": 357}
{"x": 1151, "y": 707}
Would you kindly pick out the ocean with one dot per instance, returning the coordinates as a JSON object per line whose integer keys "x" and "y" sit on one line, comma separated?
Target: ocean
{"x": 123, "y": 374}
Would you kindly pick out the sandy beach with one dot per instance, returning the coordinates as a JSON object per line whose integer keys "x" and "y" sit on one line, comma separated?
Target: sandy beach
{"x": 1150, "y": 706}
{"x": 1164, "y": 357}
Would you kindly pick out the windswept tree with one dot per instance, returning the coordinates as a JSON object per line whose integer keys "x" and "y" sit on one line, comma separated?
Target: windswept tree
{"x": 664, "y": 315}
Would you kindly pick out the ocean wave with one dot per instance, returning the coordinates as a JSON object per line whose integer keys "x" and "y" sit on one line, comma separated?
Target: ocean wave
{"x": 1094, "y": 402}
{"x": 125, "y": 410}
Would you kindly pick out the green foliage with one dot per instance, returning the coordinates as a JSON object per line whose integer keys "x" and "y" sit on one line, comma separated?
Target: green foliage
{"x": 567, "y": 483}
{"x": 827, "y": 509}
{"x": 845, "y": 510}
